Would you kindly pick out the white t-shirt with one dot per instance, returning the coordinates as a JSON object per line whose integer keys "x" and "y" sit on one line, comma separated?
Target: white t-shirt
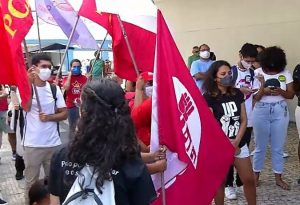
{"x": 36, "y": 132}
{"x": 244, "y": 80}
{"x": 278, "y": 80}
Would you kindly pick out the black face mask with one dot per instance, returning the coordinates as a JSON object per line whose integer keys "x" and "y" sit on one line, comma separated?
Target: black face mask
{"x": 227, "y": 81}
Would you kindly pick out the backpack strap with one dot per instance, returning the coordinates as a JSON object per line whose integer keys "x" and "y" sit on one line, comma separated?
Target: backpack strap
{"x": 54, "y": 91}
{"x": 234, "y": 73}
{"x": 252, "y": 74}
{"x": 84, "y": 194}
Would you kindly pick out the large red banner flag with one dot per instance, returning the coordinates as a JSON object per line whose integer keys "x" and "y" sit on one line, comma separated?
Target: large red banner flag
{"x": 15, "y": 22}
{"x": 142, "y": 41}
{"x": 199, "y": 153}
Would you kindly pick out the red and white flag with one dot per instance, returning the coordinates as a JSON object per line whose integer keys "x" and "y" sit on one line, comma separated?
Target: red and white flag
{"x": 140, "y": 28}
{"x": 15, "y": 22}
{"x": 199, "y": 153}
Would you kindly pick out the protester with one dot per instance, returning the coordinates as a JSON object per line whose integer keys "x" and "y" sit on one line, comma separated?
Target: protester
{"x": 12, "y": 122}
{"x": 39, "y": 193}
{"x": 73, "y": 85}
{"x": 3, "y": 112}
{"x": 195, "y": 56}
{"x": 130, "y": 93}
{"x": 243, "y": 78}
{"x": 97, "y": 66}
{"x": 2, "y": 202}
{"x": 270, "y": 114}
{"x": 105, "y": 140}
{"x": 199, "y": 67}
{"x": 41, "y": 134}
{"x": 228, "y": 106}
{"x": 296, "y": 85}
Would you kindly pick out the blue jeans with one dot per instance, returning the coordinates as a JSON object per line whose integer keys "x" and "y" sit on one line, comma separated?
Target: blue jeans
{"x": 73, "y": 118}
{"x": 270, "y": 123}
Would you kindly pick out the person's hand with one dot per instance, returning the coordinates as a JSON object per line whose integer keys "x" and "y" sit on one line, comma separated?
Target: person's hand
{"x": 267, "y": 91}
{"x": 161, "y": 165}
{"x": 43, "y": 117}
{"x": 140, "y": 83}
{"x": 261, "y": 79}
{"x": 245, "y": 90}
{"x": 277, "y": 91}
{"x": 160, "y": 154}
{"x": 32, "y": 73}
{"x": 235, "y": 144}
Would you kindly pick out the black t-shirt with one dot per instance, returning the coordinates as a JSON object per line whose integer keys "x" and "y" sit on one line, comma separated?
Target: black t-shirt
{"x": 227, "y": 110}
{"x": 133, "y": 184}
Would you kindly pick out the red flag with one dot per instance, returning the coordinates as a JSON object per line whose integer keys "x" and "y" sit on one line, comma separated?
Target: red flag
{"x": 15, "y": 22}
{"x": 184, "y": 123}
{"x": 141, "y": 41}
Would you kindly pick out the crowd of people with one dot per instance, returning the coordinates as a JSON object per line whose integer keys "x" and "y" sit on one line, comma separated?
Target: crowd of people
{"x": 107, "y": 157}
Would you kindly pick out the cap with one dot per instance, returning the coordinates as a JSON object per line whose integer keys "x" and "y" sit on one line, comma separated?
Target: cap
{"x": 147, "y": 76}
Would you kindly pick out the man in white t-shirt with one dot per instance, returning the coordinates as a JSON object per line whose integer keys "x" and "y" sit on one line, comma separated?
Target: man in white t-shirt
{"x": 243, "y": 77}
{"x": 41, "y": 136}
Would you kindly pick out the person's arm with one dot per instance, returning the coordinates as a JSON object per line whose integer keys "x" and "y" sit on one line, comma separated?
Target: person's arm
{"x": 199, "y": 76}
{"x": 3, "y": 94}
{"x": 243, "y": 126}
{"x": 262, "y": 90}
{"x": 54, "y": 200}
{"x": 157, "y": 167}
{"x": 67, "y": 83}
{"x": 139, "y": 91}
{"x": 60, "y": 115}
{"x": 287, "y": 94}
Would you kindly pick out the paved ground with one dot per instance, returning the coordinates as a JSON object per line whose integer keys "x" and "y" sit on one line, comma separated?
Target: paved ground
{"x": 268, "y": 193}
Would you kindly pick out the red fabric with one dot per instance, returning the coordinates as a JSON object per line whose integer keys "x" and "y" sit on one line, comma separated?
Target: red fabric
{"x": 181, "y": 111}
{"x": 141, "y": 116}
{"x": 15, "y": 22}
{"x": 139, "y": 40}
{"x": 3, "y": 105}
{"x": 77, "y": 82}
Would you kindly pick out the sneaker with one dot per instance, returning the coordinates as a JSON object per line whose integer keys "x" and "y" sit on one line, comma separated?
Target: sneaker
{"x": 230, "y": 193}
{"x": 3, "y": 202}
{"x": 239, "y": 189}
{"x": 13, "y": 157}
{"x": 285, "y": 155}
{"x": 298, "y": 181}
{"x": 19, "y": 175}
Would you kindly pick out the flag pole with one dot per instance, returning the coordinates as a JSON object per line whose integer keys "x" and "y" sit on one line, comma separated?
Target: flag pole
{"x": 38, "y": 31}
{"x": 163, "y": 189}
{"x": 128, "y": 46}
{"x": 67, "y": 48}
{"x": 33, "y": 85}
{"x": 98, "y": 53}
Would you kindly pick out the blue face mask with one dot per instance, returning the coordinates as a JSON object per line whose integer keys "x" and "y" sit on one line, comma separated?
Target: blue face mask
{"x": 76, "y": 70}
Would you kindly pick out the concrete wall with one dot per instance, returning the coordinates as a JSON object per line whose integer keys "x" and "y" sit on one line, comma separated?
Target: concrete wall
{"x": 227, "y": 24}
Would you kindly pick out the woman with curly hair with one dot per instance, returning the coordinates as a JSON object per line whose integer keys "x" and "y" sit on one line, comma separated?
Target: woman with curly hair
{"x": 105, "y": 140}
{"x": 270, "y": 114}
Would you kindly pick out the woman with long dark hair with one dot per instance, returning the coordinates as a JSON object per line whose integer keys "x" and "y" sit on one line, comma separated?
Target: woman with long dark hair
{"x": 228, "y": 107}
{"x": 105, "y": 140}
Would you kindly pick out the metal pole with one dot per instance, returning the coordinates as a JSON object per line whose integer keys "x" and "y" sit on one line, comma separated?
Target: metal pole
{"x": 38, "y": 30}
{"x": 98, "y": 53}
{"x": 67, "y": 48}
{"x": 128, "y": 46}
{"x": 33, "y": 85}
{"x": 163, "y": 189}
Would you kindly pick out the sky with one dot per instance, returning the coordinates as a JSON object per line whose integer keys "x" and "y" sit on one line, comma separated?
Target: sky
{"x": 48, "y": 31}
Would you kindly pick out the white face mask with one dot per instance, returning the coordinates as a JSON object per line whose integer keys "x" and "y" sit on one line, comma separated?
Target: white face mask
{"x": 148, "y": 91}
{"x": 245, "y": 64}
{"x": 204, "y": 54}
{"x": 44, "y": 74}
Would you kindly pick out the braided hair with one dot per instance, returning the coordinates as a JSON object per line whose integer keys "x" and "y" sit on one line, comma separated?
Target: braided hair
{"x": 105, "y": 138}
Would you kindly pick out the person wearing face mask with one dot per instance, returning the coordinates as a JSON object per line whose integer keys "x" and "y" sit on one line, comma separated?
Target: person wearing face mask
{"x": 228, "y": 106}
{"x": 199, "y": 67}
{"x": 40, "y": 133}
{"x": 270, "y": 113}
{"x": 243, "y": 77}
{"x": 73, "y": 85}
{"x": 195, "y": 56}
